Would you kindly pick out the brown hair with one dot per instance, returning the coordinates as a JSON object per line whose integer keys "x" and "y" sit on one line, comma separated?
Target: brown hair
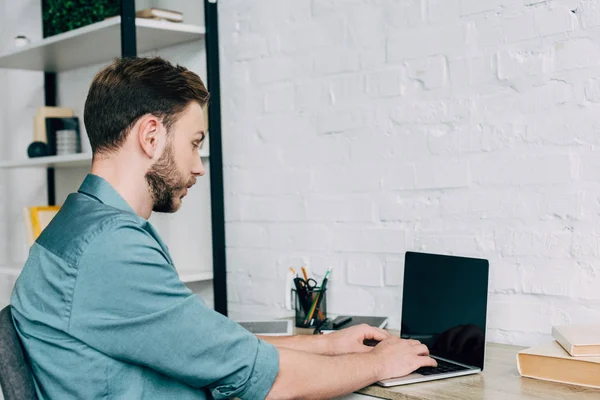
{"x": 129, "y": 88}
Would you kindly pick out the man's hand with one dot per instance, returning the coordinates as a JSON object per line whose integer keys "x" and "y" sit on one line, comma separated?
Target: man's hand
{"x": 350, "y": 340}
{"x": 399, "y": 357}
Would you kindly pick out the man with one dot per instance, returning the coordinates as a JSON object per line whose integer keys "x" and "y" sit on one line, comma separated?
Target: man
{"x": 99, "y": 306}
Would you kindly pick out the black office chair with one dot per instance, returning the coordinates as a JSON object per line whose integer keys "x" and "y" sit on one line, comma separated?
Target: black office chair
{"x": 16, "y": 378}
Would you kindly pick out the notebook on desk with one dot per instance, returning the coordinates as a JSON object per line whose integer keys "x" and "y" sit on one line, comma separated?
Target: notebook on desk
{"x": 346, "y": 321}
{"x": 444, "y": 305}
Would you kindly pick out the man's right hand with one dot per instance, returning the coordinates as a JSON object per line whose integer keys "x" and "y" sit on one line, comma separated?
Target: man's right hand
{"x": 399, "y": 357}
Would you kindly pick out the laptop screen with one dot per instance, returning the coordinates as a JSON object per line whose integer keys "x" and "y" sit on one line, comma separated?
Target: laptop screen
{"x": 444, "y": 303}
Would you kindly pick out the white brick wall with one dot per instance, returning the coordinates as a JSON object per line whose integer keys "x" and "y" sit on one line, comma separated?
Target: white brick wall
{"x": 355, "y": 130}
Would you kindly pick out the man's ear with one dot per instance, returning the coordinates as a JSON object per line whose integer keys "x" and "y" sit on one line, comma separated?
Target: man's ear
{"x": 148, "y": 135}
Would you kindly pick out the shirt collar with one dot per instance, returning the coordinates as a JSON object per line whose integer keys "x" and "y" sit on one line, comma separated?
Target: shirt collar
{"x": 99, "y": 188}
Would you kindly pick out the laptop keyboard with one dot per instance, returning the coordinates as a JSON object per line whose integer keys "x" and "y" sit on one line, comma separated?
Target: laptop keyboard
{"x": 442, "y": 368}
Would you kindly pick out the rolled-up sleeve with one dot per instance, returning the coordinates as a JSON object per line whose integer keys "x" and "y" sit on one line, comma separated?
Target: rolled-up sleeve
{"x": 130, "y": 304}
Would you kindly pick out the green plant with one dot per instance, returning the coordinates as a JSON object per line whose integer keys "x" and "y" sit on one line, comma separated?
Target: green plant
{"x": 64, "y": 15}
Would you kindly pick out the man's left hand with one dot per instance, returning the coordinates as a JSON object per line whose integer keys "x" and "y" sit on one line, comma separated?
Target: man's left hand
{"x": 350, "y": 340}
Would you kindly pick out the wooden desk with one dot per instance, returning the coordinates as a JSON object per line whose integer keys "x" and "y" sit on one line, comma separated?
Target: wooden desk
{"x": 500, "y": 380}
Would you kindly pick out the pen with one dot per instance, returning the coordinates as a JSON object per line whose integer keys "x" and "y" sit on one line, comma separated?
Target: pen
{"x": 304, "y": 273}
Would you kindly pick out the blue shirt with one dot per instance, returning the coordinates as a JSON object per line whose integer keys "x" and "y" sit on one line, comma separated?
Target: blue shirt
{"x": 101, "y": 313}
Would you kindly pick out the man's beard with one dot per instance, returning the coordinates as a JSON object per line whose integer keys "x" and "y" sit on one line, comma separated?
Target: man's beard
{"x": 164, "y": 182}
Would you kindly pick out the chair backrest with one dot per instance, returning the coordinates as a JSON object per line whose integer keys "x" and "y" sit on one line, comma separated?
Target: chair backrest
{"x": 16, "y": 378}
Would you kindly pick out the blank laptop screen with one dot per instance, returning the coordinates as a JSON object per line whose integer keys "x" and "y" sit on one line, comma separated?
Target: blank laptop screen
{"x": 444, "y": 304}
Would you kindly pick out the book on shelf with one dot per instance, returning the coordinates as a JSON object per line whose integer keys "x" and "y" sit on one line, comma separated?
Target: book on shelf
{"x": 550, "y": 362}
{"x": 160, "y": 13}
{"x": 37, "y": 219}
{"x": 39, "y": 120}
{"x": 578, "y": 340}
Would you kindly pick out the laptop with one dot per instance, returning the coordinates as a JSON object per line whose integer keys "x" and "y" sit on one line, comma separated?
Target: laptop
{"x": 444, "y": 305}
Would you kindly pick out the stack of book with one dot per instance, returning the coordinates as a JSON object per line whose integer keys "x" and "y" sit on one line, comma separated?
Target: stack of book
{"x": 573, "y": 357}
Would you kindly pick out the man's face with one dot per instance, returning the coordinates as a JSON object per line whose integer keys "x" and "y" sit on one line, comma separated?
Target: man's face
{"x": 170, "y": 177}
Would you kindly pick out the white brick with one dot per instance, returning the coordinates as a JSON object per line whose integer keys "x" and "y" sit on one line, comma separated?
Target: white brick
{"x": 453, "y": 244}
{"x": 339, "y": 209}
{"x": 313, "y": 237}
{"x": 346, "y": 120}
{"x": 385, "y": 83}
{"x": 394, "y": 272}
{"x": 488, "y": 30}
{"x": 592, "y": 90}
{"x": 515, "y": 63}
{"x": 347, "y": 90}
{"x": 590, "y": 167}
{"x": 246, "y": 235}
{"x": 312, "y": 96}
{"x": 267, "y": 181}
{"x": 575, "y": 53}
{"x": 272, "y": 69}
{"x": 364, "y": 26}
{"x": 589, "y": 13}
{"x": 476, "y": 6}
{"x": 364, "y": 271}
{"x": 280, "y": 127}
{"x": 549, "y": 278}
{"x": 505, "y": 276}
{"x": 253, "y": 263}
{"x": 318, "y": 32}
{"x": 404, "y": 208}
{"x": 419, "y": 112}
{"x": 322, "y": 150}
{"x": 351, "y": 179}
{"x": 442, "y": 10}
{"x": 457, "y": 139}
{"x": 336, "y": 60}
{"x": 370, "y": 240}
{"x": 400, "y": 177}
{"x": 247, "y": 47}
{"x": 554, "y": 20}
{"x": 442, "y": 174}
{"x": 449, "y": 40}
{"x": 532, "y": 170}
{"x": 264, "y": 209}
{"x": 404, "y": 13}
{"x": 519, "y": 313}
{"x": 349, "y": 300}
{"x": 432, "y": 72}
{"x": 519, "y": 27}
{"x": 279, "y": 99}
{"x": 526, "y": 242}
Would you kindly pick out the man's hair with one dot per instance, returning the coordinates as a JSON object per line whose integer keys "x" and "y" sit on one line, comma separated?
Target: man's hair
{"x": 129, "y": 88}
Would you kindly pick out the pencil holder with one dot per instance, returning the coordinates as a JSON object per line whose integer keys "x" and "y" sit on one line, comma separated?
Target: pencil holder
{"x": 310, "y": 306}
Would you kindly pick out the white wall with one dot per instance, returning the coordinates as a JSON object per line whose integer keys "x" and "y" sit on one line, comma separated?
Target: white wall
{"x": 355, "y": 130}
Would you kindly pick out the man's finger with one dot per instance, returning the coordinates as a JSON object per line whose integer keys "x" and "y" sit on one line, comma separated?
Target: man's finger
{"x": 376, "y": 333}
{"x": 422, "y": 350}
{"x": 427, "y": 362}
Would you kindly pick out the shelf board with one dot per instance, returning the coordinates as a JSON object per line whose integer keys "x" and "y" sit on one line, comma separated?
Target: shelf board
{"x": 69, "y": 161}
{"x": 97, "y": 43}
{"x": 190, "y": 276}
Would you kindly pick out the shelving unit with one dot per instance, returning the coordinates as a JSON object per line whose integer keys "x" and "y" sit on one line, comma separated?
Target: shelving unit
{"x": 127, "y": 36}
{"x": 97, "y": 43}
